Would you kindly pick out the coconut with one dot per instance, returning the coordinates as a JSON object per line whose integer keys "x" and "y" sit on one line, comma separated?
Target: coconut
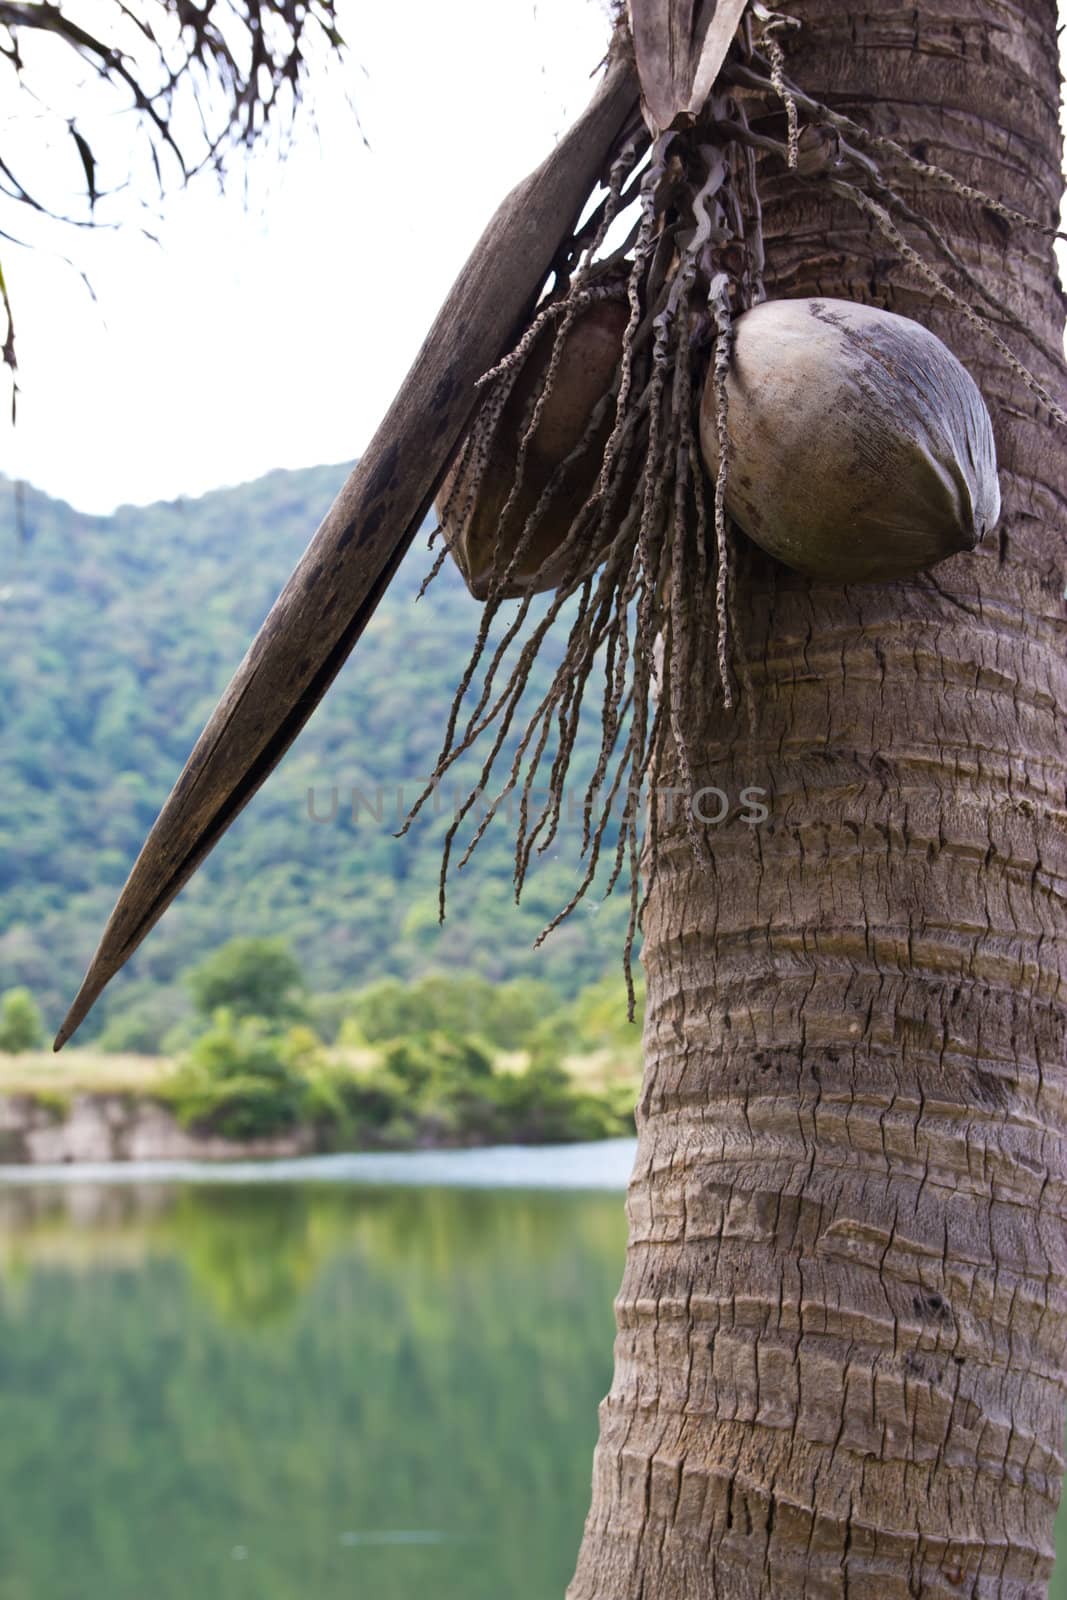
{"x": 860, "y": 448}
{"x": 588, "y": 360}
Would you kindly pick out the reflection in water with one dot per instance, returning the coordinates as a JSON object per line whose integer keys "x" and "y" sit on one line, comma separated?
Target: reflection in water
{"x": 299, "y": 1390}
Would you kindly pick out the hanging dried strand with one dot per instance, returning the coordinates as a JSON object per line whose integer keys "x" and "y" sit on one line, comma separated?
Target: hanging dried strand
{"x": 621, "y": 169}
{"x": 739, "y": 656}
{"x": 946, "y": 180}
{"x": 477, "y": 449}
{"x": 621, "y": 186}
{"x": 439, "y": 530}
{"x": 720, "y": 311}
{"x": 616, "y": 701}
{"x": 439, "y": 561}
{"x": 823, "y": 115}
{"x": 889, "y": 230}
{"x": 774, "y": 23}
{"x": 584, "y": 643}
{"x": 653, "y": 760}
{"x": 834, "y": 153}
{"x": 642, "y": 250}
{"x": 619, "y": 614}
{"x": 563, "y": 700}
{"x": 679, "y": 629}
{"x": 451, "y": 752}
{"x": 574, "y": 304}
{"x": 1001, "y": 313}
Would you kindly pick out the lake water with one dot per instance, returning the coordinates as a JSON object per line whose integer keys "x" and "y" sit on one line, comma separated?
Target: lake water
{"x": 369, "y": 1377}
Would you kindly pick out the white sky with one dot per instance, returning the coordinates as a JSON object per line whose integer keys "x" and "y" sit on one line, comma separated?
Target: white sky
{"x": 272, "y": 329}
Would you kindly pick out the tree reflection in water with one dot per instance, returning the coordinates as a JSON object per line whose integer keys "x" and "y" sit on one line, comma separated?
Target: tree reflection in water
{"x": 304, "y": 1389}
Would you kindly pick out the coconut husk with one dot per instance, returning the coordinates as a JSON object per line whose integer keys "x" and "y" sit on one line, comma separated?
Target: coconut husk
{"x": 485, "y": 515}
{"x": 860, "y": 448}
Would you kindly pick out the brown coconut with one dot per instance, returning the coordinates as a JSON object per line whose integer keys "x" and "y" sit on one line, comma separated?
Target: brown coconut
{"x": 589, "y": 357}
{"x": 860, "y": 448}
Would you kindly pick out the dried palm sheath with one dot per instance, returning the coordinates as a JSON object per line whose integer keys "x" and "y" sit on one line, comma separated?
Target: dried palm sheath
{"x": 679, "y": 47}
{"x": 332, "y": 594}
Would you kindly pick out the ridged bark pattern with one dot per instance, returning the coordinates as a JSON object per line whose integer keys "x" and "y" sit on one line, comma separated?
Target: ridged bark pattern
{"x": 841, "y": 1334}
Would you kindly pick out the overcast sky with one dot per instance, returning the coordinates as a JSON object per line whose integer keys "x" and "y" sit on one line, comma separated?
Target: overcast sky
{"x": 274, "y": 333}
{"x": 273, "y": 330}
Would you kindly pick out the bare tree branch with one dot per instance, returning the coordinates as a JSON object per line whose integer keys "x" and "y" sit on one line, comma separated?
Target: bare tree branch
{"x": 239, "y": 66}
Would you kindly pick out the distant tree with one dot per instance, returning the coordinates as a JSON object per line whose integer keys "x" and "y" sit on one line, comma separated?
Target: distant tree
{"x": 599, "y": 1017}
{"x": 504, "y": 1015}
{"x": 145, "y": 1023}
{"x": 21, "y": 1027}
{"x": 437, "y": 1062}
{"x": 250, "y": 978}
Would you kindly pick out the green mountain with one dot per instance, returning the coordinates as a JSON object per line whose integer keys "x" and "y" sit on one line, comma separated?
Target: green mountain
{"x": 119, "y": 633}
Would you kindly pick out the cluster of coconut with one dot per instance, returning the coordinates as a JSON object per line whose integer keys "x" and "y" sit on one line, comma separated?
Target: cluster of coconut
{"x": 859, "y": 448}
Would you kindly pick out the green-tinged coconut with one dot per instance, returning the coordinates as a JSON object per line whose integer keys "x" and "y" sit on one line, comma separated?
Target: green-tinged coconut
{"x": 860, "y": 448}
{"x": 588, "y": 361}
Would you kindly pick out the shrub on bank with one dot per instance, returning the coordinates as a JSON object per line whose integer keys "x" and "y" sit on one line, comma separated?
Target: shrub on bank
{"x": 236, "y": 1082}
{"x": 544, "y": 1106}
{"x": 244, "y": 1079}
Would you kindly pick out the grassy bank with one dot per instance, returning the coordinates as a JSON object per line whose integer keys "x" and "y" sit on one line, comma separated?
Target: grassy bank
{"x": 242, "y": 1083}
{"x": 35, "y": 1072}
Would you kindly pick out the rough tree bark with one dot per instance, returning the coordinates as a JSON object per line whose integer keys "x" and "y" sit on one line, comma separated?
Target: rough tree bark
{"x": 841, "y": 1334}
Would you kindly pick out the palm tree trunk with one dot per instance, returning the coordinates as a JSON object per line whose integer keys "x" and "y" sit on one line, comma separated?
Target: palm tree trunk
{"x": 841, "y": 1338}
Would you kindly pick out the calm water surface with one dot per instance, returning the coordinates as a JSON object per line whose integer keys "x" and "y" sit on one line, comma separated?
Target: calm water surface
{"x": 332, "y": 1380}
{"x": 314, "y": 1388}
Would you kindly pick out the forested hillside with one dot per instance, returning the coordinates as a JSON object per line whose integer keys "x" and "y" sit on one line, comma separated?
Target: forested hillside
{"x": 118, "y": 634}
